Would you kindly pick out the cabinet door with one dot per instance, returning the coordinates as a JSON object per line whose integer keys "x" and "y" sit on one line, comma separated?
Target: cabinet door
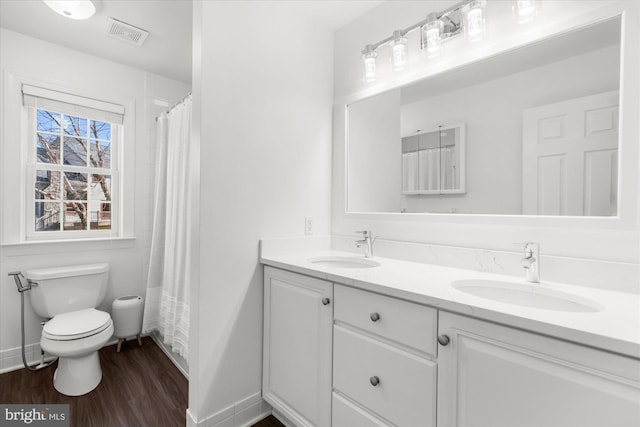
{"x": 298, "y": 316}
{"x": 492, "y": 375}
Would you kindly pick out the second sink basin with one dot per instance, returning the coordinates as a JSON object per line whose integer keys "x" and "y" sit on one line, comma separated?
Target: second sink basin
{"x": 526, "y": 295}
{"x": 345, "y": 262}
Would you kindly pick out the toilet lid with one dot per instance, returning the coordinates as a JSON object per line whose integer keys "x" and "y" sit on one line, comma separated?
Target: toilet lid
{"x": 76, "y": 324}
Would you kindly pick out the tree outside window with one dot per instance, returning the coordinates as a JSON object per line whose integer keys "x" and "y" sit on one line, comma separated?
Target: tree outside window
{"x": 73, "y": 173}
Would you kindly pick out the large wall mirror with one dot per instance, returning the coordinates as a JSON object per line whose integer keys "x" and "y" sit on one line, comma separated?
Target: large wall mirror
{"x": 537, "y": 131}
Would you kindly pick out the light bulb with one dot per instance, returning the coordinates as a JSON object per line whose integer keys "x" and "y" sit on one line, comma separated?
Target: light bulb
{"x": 73, "y": 9}
{"x": 369, "y": 55}
{"x": 431, "y": 35}
{"x": 474, "y": 20}
{"x": 524, "y": 10}
{"x": 398, "y": 50}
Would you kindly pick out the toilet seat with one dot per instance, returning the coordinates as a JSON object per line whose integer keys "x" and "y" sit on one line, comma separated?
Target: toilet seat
{"x": 76, "y": 325}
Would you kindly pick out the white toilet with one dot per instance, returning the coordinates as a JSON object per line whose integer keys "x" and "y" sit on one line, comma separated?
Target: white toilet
{"x": 76, "y": 331}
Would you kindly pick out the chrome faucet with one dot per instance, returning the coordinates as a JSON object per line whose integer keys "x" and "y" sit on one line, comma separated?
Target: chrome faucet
{"x": 367, "y": 241}
{"x": 531, "y": 261}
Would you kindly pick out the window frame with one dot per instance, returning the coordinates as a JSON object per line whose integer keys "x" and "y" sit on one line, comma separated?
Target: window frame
{"x": 33, "y": 165}
{"x": 30, "y": 175}
{"x": 13, "y": 162}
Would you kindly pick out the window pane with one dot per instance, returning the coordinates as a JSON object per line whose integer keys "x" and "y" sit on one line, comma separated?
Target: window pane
{"x": 48, "y": 121}
{"x": 100, "y": 188}
{"x": 48, "y": 148}
{"x": 75, "y": 186}
{"x": 100, "y": 154}
{"x": 47, "y": 185}
{"x": 75, "y": 216}
{"x": 100, "y": 215}
{"x": 100, "y": 130}
{"x": 75, "y": 126}
{"x": 47, "y": 216}
{"x": 75, "y": 151}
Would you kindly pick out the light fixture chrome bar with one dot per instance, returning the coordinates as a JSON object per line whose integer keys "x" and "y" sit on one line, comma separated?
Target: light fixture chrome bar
{"x": 456, "y": 7}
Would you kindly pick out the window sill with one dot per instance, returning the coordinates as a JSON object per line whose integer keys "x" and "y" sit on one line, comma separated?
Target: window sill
{"x": 68, "y": 245}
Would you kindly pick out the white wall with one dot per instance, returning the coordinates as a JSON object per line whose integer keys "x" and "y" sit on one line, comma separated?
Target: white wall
{"x": 262, "y": 110}
{"x": 604, "y": 243}
{"x": 28, "y": 59}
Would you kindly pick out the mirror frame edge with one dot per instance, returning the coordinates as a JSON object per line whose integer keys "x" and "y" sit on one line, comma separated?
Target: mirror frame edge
{"x": 628, "y": 203}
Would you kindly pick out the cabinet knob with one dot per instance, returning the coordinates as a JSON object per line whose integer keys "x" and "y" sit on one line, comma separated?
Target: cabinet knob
{"x": 374, "y": 380}
{"x": 443, "y": 340}
{"x": 325, "y": 301}
{"x": 374, "y": 317}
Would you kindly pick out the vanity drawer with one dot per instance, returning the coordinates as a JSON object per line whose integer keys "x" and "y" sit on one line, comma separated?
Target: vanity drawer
{"x": 346, "y": 414}
{"x": 408, "y": 323}
{"x": 405, "y": 394}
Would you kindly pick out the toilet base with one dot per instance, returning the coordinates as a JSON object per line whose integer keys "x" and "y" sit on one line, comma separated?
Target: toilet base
{"x": 76, "y": 376}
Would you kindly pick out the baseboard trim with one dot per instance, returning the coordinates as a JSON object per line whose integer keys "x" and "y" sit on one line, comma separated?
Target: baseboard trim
{"x": 243, "y": 413}
{"x": 282, "y": 418}
{"x": 11, "y": 358}
{"x": 191, "y": 420}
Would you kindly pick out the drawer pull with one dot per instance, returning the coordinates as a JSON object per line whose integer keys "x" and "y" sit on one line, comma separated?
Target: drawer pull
{"x": 374, "y": 380}
{"x": 374, "y": 317}
{"x": 443, "y": 340}
{"x": 325, "y": 301}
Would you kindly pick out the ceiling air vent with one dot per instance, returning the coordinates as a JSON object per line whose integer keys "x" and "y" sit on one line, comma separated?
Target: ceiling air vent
{"x": 125, "y": 32}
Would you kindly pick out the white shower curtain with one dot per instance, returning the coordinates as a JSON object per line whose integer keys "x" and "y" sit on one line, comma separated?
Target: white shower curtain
{"x": 429, "y": 163}
{"x": 168, "y": 280}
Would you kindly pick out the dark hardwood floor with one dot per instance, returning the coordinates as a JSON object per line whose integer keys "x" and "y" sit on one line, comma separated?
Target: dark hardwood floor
{"x": 140, "y": 388}
{"x": 270, "y": 421}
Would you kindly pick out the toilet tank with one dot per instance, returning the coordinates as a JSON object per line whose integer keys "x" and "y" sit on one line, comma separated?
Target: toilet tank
{"x": 63, "y": 289}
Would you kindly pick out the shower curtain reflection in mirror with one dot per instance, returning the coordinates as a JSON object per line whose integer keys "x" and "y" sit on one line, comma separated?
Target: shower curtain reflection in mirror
{"x": 433, "y": 161}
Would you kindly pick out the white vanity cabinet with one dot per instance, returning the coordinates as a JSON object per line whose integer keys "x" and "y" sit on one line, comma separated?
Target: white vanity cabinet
{"x": 384, "y": 369}
{"x": 339, "y": 356}
{"x": 297, "y": 348}
{"x": 493, "y": 375}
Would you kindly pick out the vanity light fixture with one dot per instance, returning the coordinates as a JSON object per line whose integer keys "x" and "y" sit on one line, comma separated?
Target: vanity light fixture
{"x": 398, "y": 50}
{"x": 369, "y": 55}
{"x": 525, "y": 10}
{"x": 73, "y": 9}
{"x": 474, "y": 20}
{"x": 434, "y": 30}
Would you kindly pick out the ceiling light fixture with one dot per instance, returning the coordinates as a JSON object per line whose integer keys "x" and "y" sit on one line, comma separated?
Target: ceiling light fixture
{"x": 73, "y": 9}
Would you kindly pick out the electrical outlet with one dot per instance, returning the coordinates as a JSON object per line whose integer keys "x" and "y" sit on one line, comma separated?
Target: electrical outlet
{"x": 308, "y": 225}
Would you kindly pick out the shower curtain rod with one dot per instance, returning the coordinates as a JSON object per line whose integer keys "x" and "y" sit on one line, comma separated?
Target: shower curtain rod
{"x": 184, "y": 98}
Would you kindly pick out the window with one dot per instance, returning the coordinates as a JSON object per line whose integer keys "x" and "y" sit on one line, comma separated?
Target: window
{"x": 73, "y": 150}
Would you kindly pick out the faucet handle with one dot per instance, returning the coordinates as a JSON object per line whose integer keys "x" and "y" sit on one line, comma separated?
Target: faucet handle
{"x": 365, "y": 233}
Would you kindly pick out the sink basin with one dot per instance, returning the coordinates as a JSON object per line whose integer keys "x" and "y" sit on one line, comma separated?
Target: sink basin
{"x": 345, "y": 262}
{"x": 526, "y": 295}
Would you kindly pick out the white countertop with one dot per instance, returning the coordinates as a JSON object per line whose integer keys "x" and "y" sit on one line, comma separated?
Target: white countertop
{"x": 616, "y": 327}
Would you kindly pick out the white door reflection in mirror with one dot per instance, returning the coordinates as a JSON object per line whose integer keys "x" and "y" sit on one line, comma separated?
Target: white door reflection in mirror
{"x": 570, "y": 157}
